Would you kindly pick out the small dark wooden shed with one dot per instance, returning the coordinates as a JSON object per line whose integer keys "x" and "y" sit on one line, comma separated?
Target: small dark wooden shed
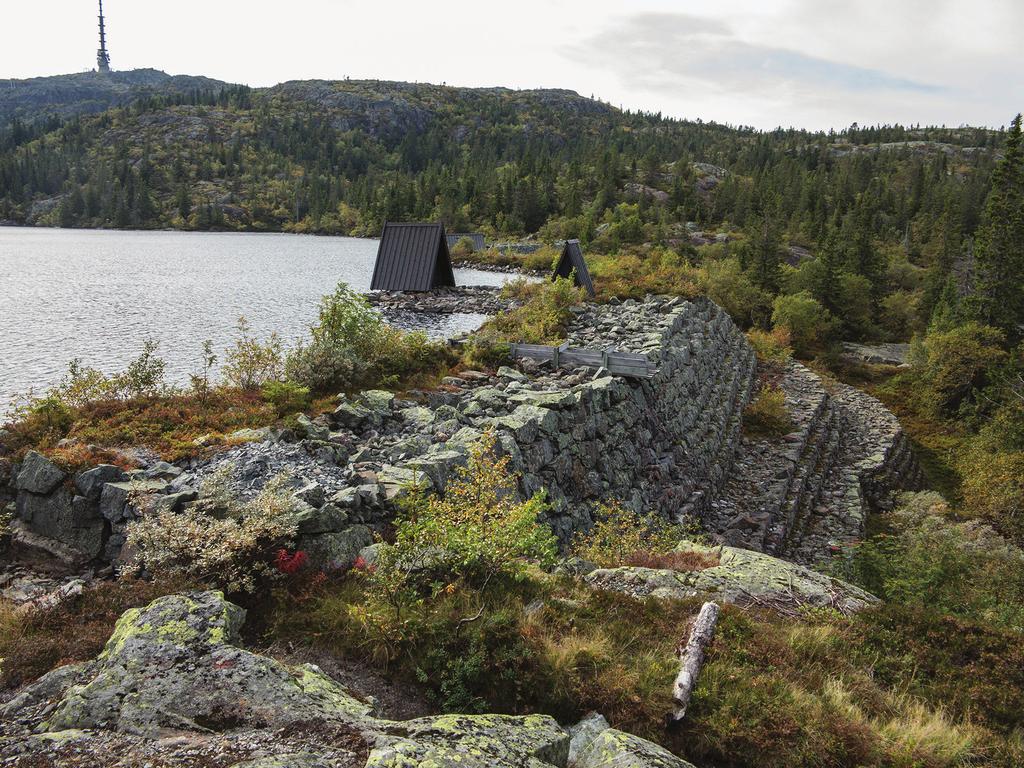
{"x": 412, "y": 257}
{"x": 572, "y": 260}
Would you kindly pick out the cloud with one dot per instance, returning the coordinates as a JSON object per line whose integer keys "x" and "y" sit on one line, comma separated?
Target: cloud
{"x": 669, "y": 52}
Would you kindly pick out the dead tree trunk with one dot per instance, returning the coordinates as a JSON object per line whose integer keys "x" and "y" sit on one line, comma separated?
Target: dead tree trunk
{"x": 691, "y": 659}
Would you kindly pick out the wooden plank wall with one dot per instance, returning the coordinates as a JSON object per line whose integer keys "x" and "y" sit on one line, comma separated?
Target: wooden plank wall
{"x": 619, "y": 363}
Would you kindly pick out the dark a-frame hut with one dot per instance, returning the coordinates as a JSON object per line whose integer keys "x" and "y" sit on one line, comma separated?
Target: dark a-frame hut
{"x": 412, "y": 257}
{"x": 572, "y": 261}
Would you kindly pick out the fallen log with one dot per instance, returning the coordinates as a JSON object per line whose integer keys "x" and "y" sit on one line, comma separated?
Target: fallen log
{"x": 691, "y": 659}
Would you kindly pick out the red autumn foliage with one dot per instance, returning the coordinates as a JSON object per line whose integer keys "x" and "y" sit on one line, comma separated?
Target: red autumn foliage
{"x": 290, "y": 564}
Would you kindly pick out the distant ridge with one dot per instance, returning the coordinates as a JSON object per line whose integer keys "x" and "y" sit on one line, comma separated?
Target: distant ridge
{"x": 89, "y": 92}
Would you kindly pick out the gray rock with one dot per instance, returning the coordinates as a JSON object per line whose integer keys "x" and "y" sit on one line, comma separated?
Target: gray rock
{"x": 616, "y": 749}
{"x": 505, "y": 372}
{"x": 311, "y": 429}
{"x": 583, "y": 733}
{"x": 335, "y": 550}
{"x": 57, "y": 517}
{"x": 474, "y": 741}
{"x": 175, "y": 664}
{"x": 288, "y": 760}
{"x": 349, "y": 498}
{"x": 161, "y": 470}
{"x": 355, "y": 417}
{"x": 250, "y": 435}
{"x": 328, "y": 518}
{"x": 378, "y": 400}
{"x": 310, "y": 492}
{"x": 38, "y": 474}
{"x": 740, "y": 577}
{"x": 398, "y": 481}
{"x": 115, "y": 497}
{"x": 90, "y": 483}
{"x": 369, "y": 554}
{"x": 174, "y": 502}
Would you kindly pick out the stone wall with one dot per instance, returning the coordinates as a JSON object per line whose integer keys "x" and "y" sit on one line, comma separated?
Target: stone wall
{"x": 667, "y": 445}
{"x": 807, "y": 494}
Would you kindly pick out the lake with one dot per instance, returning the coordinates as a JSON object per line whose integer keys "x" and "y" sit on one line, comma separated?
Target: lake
{"x": 98, "y": 294}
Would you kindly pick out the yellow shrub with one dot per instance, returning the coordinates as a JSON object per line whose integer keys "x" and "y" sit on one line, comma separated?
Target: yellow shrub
{"x": 767, "y": 415}
{"x": 772, "y": 347}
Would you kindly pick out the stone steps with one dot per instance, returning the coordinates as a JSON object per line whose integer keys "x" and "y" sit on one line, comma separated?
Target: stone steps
{"x": 803, "y": 496}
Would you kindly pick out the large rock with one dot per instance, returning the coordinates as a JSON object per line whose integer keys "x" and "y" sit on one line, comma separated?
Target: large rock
{"x": 742, "y": 576}
{"x": 70, "y": 520}
{"x": 90, "y": 483}
{"x": 617, "y": 749}
{"x": 39, "y": 475}
{"x": 174, "y": 664}
{"x": 116, "y": 498}
{"x": 474, "y": 741}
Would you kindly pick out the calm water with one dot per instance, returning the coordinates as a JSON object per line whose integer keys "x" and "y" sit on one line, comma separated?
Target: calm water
{"x": 97, "y": 295}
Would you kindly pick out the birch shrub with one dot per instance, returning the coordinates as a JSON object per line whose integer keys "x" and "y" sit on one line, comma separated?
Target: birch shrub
{"x": 219, "y": 541}
{"x": 477, "y": 531}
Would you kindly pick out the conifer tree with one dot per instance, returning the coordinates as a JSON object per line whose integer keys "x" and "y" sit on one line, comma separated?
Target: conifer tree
{"x": 1000, "y": 243}
{"x": 761, "y": 254}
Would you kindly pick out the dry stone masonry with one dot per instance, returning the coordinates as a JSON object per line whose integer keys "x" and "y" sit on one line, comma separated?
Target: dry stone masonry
{"x": 805, "y": 496}
{"x": 670, "y": 445}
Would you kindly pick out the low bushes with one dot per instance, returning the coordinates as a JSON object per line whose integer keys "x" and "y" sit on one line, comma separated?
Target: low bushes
{"x": 767, "y": 415}
{"x": 809, "y": 323}
{"x": 351, "y": 346}
{"x": 962, "y": 569}
{"x": 219, "y": 541}
{"x": 772, "y": 347}
{"x": 476, "y": 532}
{"x": 541, "y": 319}
{"x": 620, "y": 536}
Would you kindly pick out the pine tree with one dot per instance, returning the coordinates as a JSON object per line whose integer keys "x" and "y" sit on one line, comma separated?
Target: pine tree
{"x": 762, "y": 252}
{"x": 831, "y": 257}
{"x": 999, "y": 252}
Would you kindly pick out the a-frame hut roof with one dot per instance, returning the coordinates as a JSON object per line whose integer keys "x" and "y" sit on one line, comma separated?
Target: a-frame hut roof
{"x": 572, "y": 259}
{"x": 412, "y": 257}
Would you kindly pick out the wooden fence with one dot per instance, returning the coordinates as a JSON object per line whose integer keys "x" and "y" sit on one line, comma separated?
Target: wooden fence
{"x": 619, "y": 363}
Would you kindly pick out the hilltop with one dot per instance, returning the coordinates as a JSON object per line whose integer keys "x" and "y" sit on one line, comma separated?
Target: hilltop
{"x": 62, "y": 96}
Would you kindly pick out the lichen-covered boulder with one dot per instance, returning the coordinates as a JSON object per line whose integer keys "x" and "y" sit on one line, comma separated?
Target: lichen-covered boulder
{"x": 616, "y": 749}
{"x": 473, "y": 741}
{"x": 742, "y": 576}
{"x": 173, "y": 664}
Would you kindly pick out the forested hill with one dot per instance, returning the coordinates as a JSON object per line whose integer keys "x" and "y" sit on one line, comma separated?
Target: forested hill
{"x": 344, "y": 156}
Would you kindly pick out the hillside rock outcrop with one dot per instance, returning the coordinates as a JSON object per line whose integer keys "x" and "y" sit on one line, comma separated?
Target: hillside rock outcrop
{"x": 741, "y": 576}
{"x": 176, "y": 666}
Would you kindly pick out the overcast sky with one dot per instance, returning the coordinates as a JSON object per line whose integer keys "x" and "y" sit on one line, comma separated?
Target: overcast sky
{"x": 805, "y": 63}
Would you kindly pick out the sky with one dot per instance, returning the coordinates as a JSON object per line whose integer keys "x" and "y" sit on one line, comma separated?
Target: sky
{"x": 814, "y": 64}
